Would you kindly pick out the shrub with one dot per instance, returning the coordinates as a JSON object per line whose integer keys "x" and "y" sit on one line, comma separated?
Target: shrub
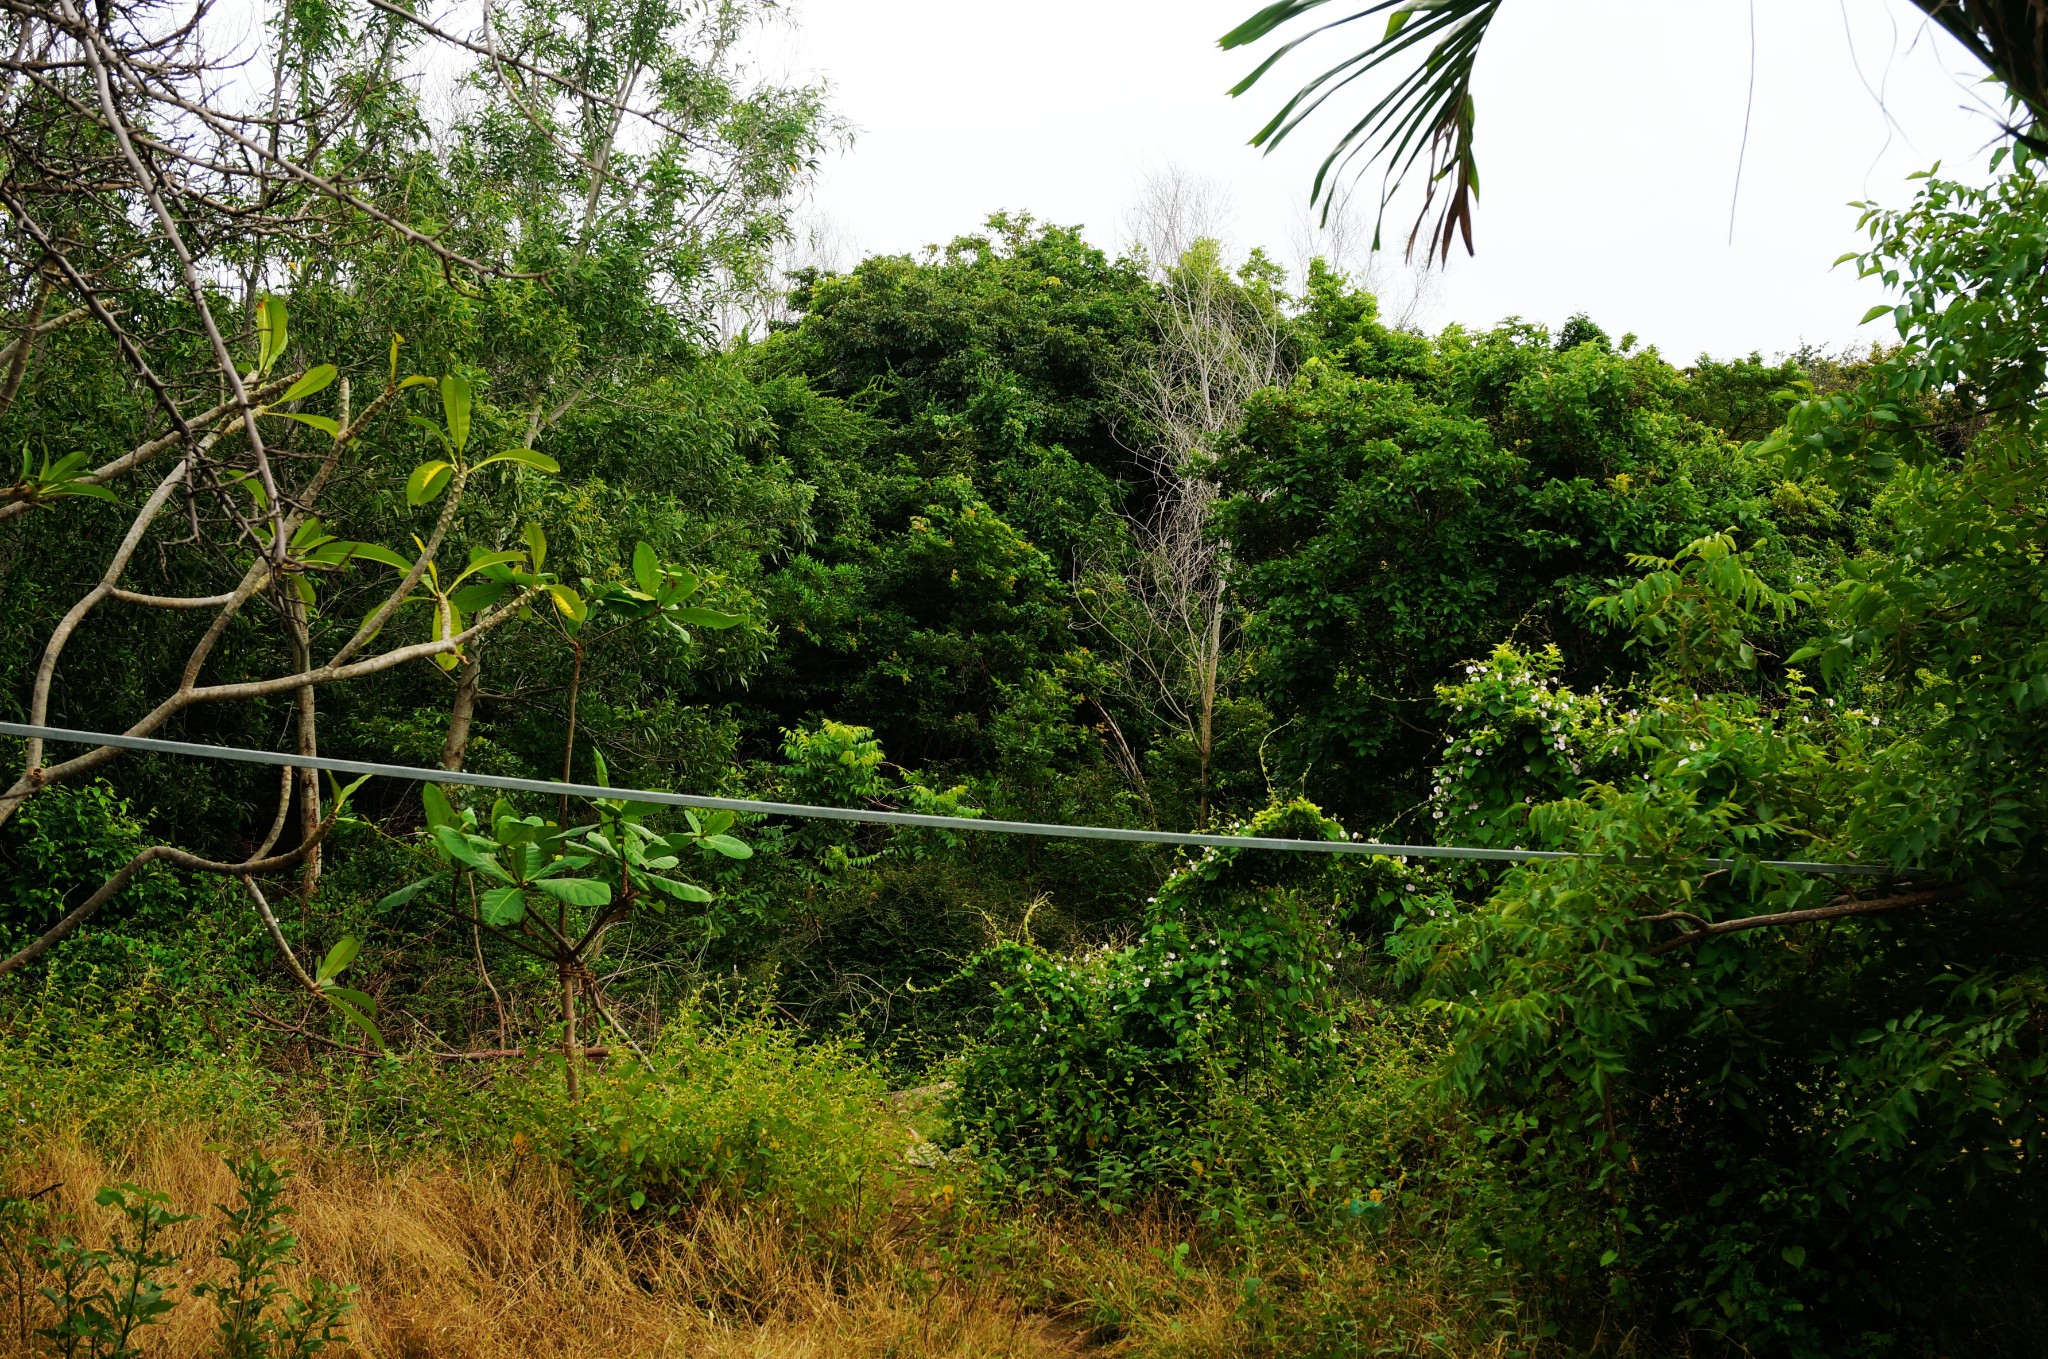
{"x": 60, "y": 847}
{"x": 1097, "y": 1069}
{"x": 739, "y": 1112}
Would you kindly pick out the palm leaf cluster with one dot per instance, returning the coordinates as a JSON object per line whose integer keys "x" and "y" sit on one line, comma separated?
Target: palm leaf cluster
{"x": 1423, "y": 120}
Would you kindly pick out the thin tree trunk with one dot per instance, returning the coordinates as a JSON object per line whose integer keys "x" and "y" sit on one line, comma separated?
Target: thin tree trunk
{"x": 307, "y": 702}
{"x": 476, "y": 941}
{"x": 463, "y": 713}
{"x": 569, "y": 741}
{"x": 1212, "y": 661}
{"x": 571, "y": 1051}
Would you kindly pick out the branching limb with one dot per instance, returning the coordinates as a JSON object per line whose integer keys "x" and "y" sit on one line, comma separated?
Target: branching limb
{"x": 152, "y": 187}
{"x": 9, "y": 351}
{"x": 177, "y": 858}
{"x": 39, "y": 701}
{"x": 19, "y": 351}
{"x": 1702, "y": 930}
{"x": 36, "y": 779}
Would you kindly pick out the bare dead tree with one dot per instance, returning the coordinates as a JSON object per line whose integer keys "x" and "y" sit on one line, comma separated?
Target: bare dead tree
{"x": 1342, "y": 238}
{"x": 1165, "y": 607}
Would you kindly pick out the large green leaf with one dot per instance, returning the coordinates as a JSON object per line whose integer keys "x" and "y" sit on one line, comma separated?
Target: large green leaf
{"x": 340, "y": 956}
{"x": 525, "y": 457}
{"x": 480, "y": 596}
{"x": 394, "y": 900}
{"x": 728, "y": 846}
{"x": 707, "y": 618}
{"x": 320, "y": 422}
{"x": 356, "y": 1018}
{"x": 358, "y": 999}
{"x": 568, "y": 603}
{"x": 314, "y": 380}
{"x": 483, "y": 561}
{"x": 440, "y": 812}
{"x": 456, "y": 846}
{"x": 576, "y": 891}
{"x": 373, "y": 552}
{"x": 501, "y": 907}
{"x": 272, "y": 332}
{"x": 456, "y": 399}
{"x": 681, "y": 891}
{"x": 427, "y": 481}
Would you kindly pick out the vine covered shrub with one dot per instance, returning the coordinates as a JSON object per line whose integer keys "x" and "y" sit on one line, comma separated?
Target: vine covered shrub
{"x": 1518, "y": 739}
{"x": 1098, "y": 1071}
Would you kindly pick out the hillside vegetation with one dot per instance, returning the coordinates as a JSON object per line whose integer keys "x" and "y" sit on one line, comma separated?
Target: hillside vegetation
{"x": 516, "y": 455}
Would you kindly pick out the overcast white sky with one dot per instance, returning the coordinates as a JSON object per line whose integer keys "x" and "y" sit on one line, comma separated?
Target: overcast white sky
{"x": 1608, "y": 135}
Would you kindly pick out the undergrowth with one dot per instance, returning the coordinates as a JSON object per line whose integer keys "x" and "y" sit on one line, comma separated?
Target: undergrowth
{"x": 737, "y": 1192}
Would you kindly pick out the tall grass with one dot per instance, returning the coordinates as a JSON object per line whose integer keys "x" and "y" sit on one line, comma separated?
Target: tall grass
{"x": 787, "y": 1205}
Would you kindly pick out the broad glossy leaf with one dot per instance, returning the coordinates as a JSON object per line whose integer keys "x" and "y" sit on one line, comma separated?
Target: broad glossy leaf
{"x": 646, "y": 568}
{"x": 427, "y": 481}
{"x": 440, "y": 812}
{"x": 394, "y": 900}
{"x": 319, "y": 422}
{"x": 456, "y": 399}
{"x": 501, "y": 906}
{"x": 314, "y": 380}
{"x": 536, "y": 545}
{"x": 373, "y": 552}
{"x": 681, "y": 891}
{"x": 480, "y": 596}
{"x": 339, "y": 795}
{"x": 358, "y": 999}
{"x": 576, "y": 891}
{"x": 457, "y": 847}
{"x": 340, "y": 956}
{"x": 729, "y": 847}
{"x": 525, "y": 457}
{"x": 483, "y": 561}
{"x": 707, "y": 618}
{"x": 84, "y": 488}
{"x": 356, "y": 1018}
{"x": 273, "y": 332}
{"x": 568, "y": 603}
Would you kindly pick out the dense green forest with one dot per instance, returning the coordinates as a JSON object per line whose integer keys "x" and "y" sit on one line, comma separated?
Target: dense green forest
{"x": 496, "y": 441}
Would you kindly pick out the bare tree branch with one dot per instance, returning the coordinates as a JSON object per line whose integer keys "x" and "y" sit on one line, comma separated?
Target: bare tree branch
{"x": 1703, "y": 930}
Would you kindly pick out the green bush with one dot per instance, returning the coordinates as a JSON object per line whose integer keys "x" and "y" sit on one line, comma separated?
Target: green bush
{"x": 1097, "y": 1069}
{"x": 60, "y": 847}
{"x": 742, "y": 1112}
{"x": 105, "y": 1059}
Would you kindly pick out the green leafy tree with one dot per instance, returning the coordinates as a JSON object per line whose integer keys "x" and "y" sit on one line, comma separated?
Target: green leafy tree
{"x": 1404, "y": 504}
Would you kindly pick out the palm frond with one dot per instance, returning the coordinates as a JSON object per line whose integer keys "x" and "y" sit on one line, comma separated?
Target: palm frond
{"x": 1424, "y": 121}
{"x": 2011, "y": 38}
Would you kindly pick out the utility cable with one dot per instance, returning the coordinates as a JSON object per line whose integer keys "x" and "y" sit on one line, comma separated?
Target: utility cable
{"x": 957, "y": 824}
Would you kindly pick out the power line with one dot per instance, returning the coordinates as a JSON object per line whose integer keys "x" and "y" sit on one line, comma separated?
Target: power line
{"x": 970, "y": 825}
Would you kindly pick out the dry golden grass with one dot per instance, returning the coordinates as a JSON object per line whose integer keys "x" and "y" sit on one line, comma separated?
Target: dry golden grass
{"x": 483, "y": 1263}
{"x": 496, "y": 1261}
